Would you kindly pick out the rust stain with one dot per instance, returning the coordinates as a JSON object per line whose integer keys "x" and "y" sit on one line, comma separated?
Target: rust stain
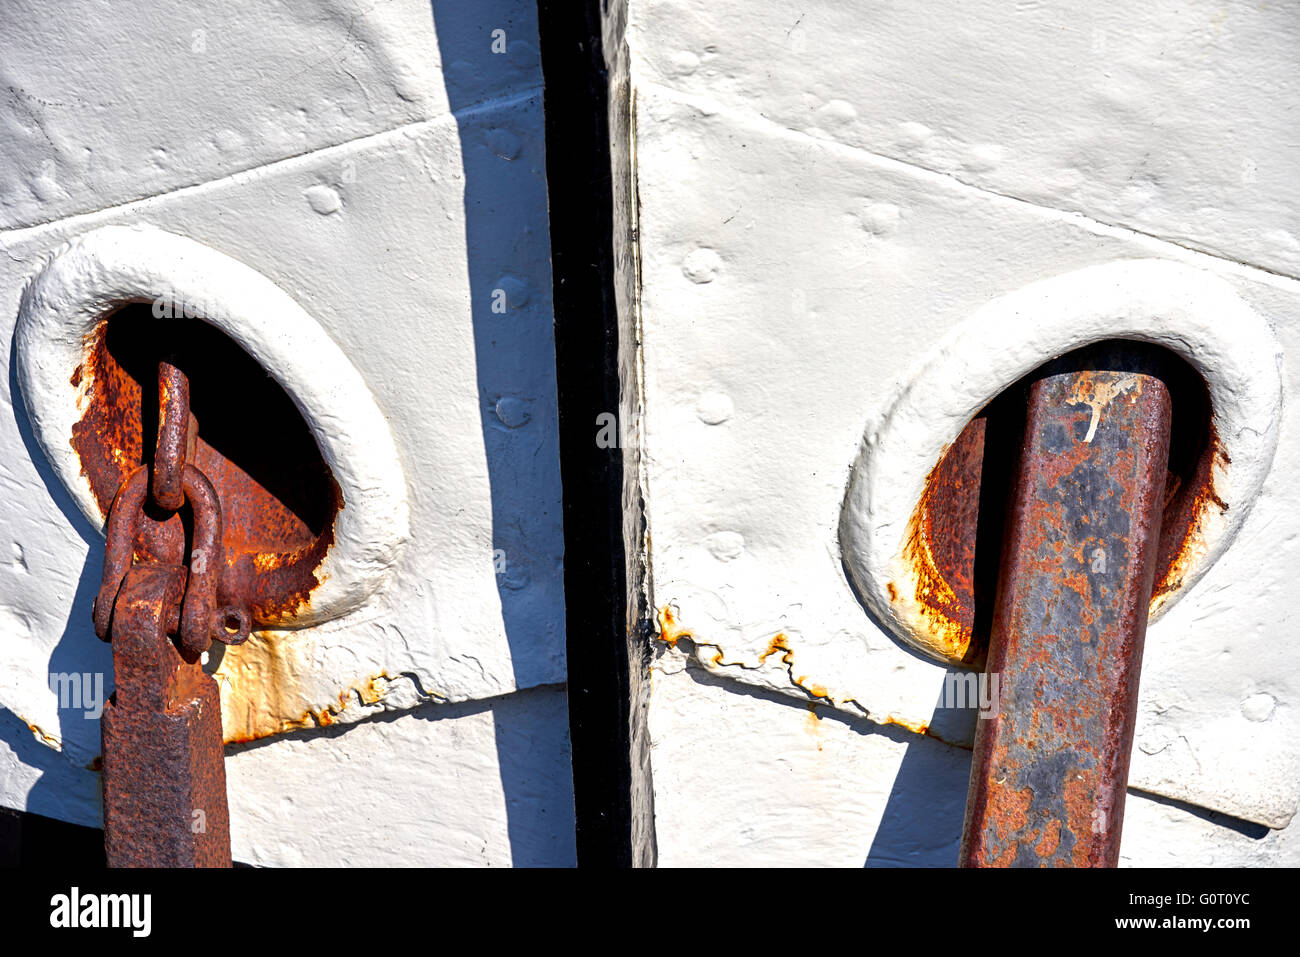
{"x": 1081, "y": 799}
{"x": 923, "y": 729}
{"x": 261, "y": 694}
{"x": 778, "y": 643}
{"x": 671, "y": 631}
{"x": 1012, "y": 817}
{"x": 278, "y": 499}
{"x": 816, "y": 690}
{"x": 1193, "y": 507}
{"x": 937, "y": 590}
{"x": 1051, "y": 839}
{"x": 813, "y": 724}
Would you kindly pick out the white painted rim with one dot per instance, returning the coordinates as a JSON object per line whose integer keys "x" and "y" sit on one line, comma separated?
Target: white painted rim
{"x": 1188, "y": 311}
{"x": 105, "y": 268}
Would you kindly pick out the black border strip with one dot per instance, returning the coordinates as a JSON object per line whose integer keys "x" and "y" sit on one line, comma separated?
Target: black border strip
{"x": 600, "y": 647}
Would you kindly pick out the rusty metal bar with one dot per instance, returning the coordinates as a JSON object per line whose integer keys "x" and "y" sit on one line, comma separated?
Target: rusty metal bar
{"x": 1079, "y": 557}
{"x": 164, "y": 776}
{"x": 164, "y": 772}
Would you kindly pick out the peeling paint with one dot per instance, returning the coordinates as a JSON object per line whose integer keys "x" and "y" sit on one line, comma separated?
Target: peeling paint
{"x": 672, "y": 631}
{"x": 1097, "y": 395}
{"x": 917, "y": 727}
{"x": 43, "y": 736}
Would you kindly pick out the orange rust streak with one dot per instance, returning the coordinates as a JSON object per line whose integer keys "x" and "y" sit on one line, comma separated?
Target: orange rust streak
{"x": 813, "y": 723}
{"x": 311, "y": 717}
{"x": 817, "y": 691}
{"x": 261, "y": 693}
{"x": 670, "y": 629}
{"x": 1189, "y": 507}
{"x": 41, "y": 733}
{"x": 778, "y": 643}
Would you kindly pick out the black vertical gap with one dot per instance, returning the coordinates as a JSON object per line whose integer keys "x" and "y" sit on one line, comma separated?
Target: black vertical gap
{"x": 586, "y": 352}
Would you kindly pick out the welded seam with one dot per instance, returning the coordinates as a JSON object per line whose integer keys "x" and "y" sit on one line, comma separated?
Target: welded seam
{"x": 364, "y": 142}
{"x": 711, "y": 106}
{"x": 379, "y": 713}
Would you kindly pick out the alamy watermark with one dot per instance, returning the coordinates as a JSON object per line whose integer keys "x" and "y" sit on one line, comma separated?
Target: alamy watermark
{"x": 79, "y": 691}
{"x": 76, "y": 909}
{"x": 174, "y": 305}
{"x": 971, "y": 690}
{"x": 613, "y": 433}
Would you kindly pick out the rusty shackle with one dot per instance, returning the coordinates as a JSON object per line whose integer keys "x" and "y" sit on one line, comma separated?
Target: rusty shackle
{"x": 200, "y": 622}
{"x": 177, "y": 437}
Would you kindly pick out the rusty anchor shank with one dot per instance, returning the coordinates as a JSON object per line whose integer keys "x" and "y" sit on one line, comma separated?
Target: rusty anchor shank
{"x": 164, "y": 775}
{"x": 1079, "y": 557}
